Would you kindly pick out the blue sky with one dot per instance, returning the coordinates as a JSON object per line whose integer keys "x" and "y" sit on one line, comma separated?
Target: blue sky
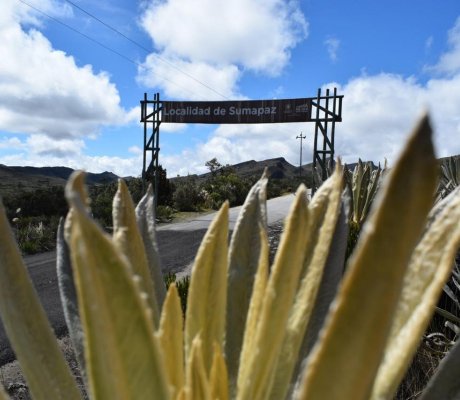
{"x": 65, "y": 100}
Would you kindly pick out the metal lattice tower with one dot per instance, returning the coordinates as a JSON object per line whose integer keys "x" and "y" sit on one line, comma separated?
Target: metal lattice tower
{"x": 328, "y": 112}
{"x": 150, "y": 117}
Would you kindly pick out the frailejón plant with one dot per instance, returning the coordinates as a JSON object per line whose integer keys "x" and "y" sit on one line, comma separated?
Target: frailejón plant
{"x": 294, "y": 329}
{"x": 363, "y": 184}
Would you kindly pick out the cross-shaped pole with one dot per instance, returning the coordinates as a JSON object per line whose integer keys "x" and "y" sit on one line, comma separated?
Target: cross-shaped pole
{"x": 300, "y": 164}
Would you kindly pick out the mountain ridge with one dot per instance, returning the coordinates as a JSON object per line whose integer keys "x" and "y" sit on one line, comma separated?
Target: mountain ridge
{"x": 27, "y": 178}
{"x": 18, "y": 178}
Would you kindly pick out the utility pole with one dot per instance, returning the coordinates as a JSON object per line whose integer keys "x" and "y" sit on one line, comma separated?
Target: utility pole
{"x": 300, "y": 163}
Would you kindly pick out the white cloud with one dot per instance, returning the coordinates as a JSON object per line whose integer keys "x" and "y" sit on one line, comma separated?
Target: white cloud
{"x": 11, "y": 143}
{"x": 255, "y": 34}
{"x": 379, "y": 112}
{"x": 43, "y": 90}
{"x": 216, "y": 41}
{"x": 135, "y": 150}
{"x": 179, "y": 78}
{"x": 238, "y": 143}
{"x": 19, "y": 12}
{"x": 42, "y": 145}
{"x": 120, "y": 166}
{"x": 332, "y": 46}
{"x": 449, "y": 62}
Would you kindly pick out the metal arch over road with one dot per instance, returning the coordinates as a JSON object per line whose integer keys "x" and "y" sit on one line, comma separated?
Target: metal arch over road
{"x": 323, "y": 110}
{"x": 237, "y": 112}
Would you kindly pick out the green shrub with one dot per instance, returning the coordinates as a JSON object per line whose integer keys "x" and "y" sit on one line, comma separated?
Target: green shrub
{"x": 164, "y": 213}
{"x": 35, "y": 234}
{"x": 187, "y": 196}
{"x": 46, "y": 202}
{"x": 182, "y": 288}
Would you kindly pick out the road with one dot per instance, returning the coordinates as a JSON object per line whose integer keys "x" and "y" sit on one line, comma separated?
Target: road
{"x": 177, "y": 243}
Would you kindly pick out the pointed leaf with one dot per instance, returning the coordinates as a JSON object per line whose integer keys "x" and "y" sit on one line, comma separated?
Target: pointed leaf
{"x": 122, "y": 353}
{"x": 428, "y": 271}
{"x": 325, "y": 208}
{"x": 207, "y": 294}
{"x": 218, "y": 376}
{"x": 68, "y": 294}
{"x": 353, "y": 340}
{"x": 128, "y": 239}
{"x": 332, "y": 276}
{"x": 279, "y": 295}
{"x": 171, "y": 338}
{"x": 145, "y": 215}
{"x": 244, "y": 253}
{"x": 196, "y": 379}
{"x": 27, "y": 326}
{"x": 372, "y": 187}
{"x": 255, "y": 305}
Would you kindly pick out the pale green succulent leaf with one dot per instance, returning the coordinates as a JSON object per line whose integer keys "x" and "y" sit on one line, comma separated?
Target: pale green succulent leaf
{"x": 255, "y": 305}
{"x": 371, "y": 191}
{"x": 69, "y": 300}
{"x": 27, "y": 326}
{"x": 244, "y": 253}
{"x": 206, "y": 303}
{"x": 128, "y": 239}
{"x": 427, "y": 273}
{"x": 256, "y": 380}
{"x": 353, "y": 340}
{"x": 359, "y": 183}
{"x": 171, "y": 338}
{"x": 219, "y": 376}
{"x": 123, "y": 356}
{"x": 145, "y": 215}
{"x": 197, "y": 383}
{"x": 325, "y": 209}
{"x": 332, "y": 275}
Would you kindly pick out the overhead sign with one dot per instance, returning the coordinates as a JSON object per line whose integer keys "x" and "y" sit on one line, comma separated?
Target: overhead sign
{"x": 237, "y": 112}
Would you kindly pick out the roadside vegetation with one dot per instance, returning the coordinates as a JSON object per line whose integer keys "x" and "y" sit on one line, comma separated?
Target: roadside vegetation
{"x": 35, "y": 214}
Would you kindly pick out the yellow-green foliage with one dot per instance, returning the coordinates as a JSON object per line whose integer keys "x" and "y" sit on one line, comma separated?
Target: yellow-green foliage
{"x": 251, "y": 330}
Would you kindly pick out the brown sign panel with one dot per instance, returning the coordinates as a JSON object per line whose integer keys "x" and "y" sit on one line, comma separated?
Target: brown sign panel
{"x": 237, "y": 112}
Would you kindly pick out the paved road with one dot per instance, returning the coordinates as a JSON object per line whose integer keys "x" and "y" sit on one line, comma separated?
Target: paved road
{"x": 178, "y": 244}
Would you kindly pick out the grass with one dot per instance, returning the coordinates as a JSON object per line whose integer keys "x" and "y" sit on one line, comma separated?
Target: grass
{"x": 35, "y": 234}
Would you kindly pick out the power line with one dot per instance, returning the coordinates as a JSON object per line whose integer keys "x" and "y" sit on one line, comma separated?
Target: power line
{"x": 148, "y": 51}
{"x": 126, "y": 58}
{"x": 108, "y": 26}
{"x": 101, "y": 44}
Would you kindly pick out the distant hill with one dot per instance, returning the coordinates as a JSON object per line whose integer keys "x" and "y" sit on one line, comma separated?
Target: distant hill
{"x": 278, "y": 168}
{"x": 13, "y": 179}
